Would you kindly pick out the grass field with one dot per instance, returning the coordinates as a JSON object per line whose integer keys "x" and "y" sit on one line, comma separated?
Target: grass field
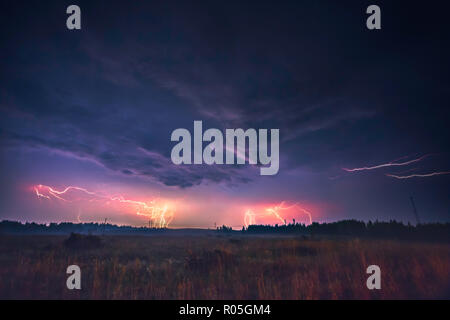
{"x": 222, "y": 267}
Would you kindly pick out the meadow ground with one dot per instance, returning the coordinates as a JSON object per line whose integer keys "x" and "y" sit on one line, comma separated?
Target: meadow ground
{"x": 214, "y": 266}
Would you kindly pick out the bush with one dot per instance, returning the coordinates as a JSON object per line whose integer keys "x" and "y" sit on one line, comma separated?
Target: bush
{"x": 79, "y": 241}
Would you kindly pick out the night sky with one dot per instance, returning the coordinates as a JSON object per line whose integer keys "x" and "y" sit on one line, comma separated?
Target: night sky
{"x": 94, "y": 108}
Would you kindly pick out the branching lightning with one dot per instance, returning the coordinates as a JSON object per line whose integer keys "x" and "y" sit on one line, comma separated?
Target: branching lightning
{"x": 416, "y": 175}
{"x": 249, "y": 218}
{"x": 401, "y": 175}
{"x": 160, "y": 215}
{"x": 275, "y": 211}
{"x": 40, "y": 195}
{"x": 389, "y": 164}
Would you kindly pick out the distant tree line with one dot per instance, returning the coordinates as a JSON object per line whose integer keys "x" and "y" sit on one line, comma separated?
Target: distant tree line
{"x": 355, "y": 228}
{"x": 225, "y": 229}
{"x": 14, "y": 227}
{"x": 391, "y": 229}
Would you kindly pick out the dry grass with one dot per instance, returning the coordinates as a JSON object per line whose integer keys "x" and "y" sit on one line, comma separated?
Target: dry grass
{"x": 222, "y": 268}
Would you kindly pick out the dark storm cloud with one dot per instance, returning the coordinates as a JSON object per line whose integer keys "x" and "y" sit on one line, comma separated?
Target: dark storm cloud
{"x": 339, "y": 94}
{"x": 131, "y": 161}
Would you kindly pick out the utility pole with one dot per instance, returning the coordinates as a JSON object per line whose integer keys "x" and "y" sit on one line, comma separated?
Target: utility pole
{"x": 415, "y": 209}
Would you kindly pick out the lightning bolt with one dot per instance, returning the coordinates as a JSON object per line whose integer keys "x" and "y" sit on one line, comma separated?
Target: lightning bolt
{"x": 389, "y": 164}
{"x": 40, "y": 195}
{"x": 249, "y": 218}
{"x": 79, "y": 216}
{"x": 162, "y": 215}
{"x": 275, "y": 211}
{"x": 70, "y": 188}
{"x": 418, "y": 175}
{"x": 250, "y": 215}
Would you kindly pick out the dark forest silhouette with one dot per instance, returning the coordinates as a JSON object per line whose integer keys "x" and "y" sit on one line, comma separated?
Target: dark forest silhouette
{"x": 391, "y": 229}
{"x": 14, "y": 227}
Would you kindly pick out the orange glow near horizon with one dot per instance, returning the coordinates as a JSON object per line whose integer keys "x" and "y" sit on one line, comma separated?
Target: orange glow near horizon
{"x": 159, "y": 212}
{"x": 279, "y": 212}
